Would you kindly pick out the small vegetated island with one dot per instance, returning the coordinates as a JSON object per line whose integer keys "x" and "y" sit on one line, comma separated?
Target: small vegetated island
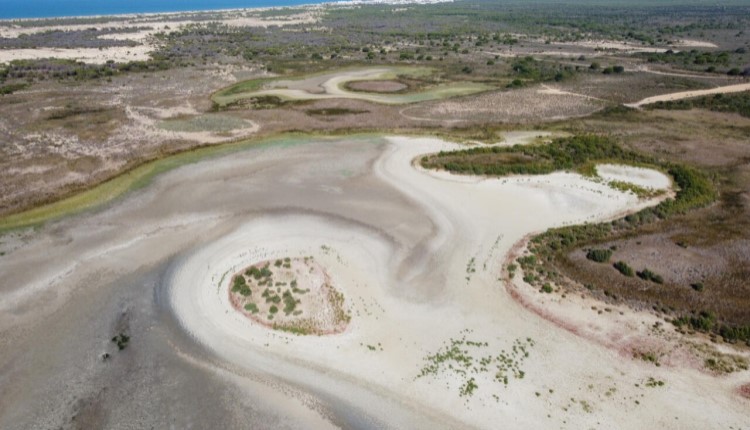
{"x": 293, "y": 295}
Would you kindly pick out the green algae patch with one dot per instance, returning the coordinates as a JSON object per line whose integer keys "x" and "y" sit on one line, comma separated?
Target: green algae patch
{"x": 132, "y": 180}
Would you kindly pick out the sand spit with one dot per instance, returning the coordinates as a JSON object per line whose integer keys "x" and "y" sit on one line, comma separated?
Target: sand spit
{"x": 646, "y": 178}
{"x": 418, "y": 257}
{"x": 736, "y": 88}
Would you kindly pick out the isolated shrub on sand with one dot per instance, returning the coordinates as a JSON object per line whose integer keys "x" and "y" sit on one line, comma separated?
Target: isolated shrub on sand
{"x": 623, "y": 268}
{"x": 599, "y": 255}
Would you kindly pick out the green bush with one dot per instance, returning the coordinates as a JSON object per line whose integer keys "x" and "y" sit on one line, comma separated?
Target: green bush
{"x": 623, "y": 268}
{"x": 648, "y": 275}
{"x": 599, "y": 255}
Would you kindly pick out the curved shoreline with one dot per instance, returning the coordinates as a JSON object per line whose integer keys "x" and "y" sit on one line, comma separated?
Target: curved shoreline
{"x": 415, "y": 252}
{"x": 416, "y": 282}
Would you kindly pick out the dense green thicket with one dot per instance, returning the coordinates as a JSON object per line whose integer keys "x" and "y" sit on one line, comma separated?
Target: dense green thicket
{"x": 734, "y": 103}
{"x": 561, "y": 154}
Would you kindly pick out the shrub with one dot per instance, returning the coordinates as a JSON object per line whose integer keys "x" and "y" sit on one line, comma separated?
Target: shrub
{"x": 648, "y": 275}
{"x": 599, "y": 255}
{"x": 623, "y": 268}
{"x": 547, "y": 288}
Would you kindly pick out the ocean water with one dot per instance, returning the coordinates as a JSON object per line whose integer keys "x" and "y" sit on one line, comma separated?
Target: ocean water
{"x": 10, "y": 9}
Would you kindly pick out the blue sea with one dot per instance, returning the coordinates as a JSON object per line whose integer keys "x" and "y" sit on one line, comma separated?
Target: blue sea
{"x": 10, "y": 9}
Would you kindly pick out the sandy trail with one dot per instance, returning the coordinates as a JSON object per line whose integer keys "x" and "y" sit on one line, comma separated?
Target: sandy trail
{"x": 736, "y": 88}
{"x": 417, "y": 255}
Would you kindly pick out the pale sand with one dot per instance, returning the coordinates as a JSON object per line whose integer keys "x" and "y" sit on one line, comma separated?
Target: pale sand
{"x": 86, "y": 55}
{"x": 411, "y": 303}
{"x": 400, "y": 241}
{"x": 736, "y": 88}
{"x": 615, "y": 45}
{"x": 646, "y": 178}
{"x": 695, "y": 43}
{"x": 154, "y": 23}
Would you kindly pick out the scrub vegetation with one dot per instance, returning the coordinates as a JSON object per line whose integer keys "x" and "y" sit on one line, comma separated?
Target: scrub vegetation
{"x": 548, "y": 251}
{"x": 733, "y": 103}
{"x": 292, "y": 295}
{"x": 465, "y": 360}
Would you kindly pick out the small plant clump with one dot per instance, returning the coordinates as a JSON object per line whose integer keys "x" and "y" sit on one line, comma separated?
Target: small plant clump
{"x": 623, "y": 268}
{"x": 652, "y": 383}
{"x": 648, "y": 275}
{"x": 121, "y": 340}
{"x": 457, "y": 357}
{"x": 599, "y": 255}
